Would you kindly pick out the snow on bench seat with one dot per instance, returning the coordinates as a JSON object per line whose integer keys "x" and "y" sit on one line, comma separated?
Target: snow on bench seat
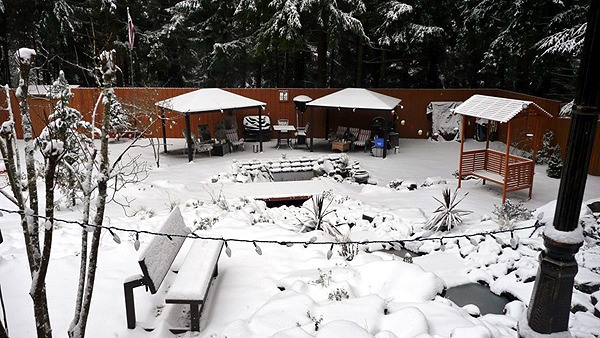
{"x": 194, "y": 279}
{"x": 196, "y": 273}
{"x": 488, "y": 175}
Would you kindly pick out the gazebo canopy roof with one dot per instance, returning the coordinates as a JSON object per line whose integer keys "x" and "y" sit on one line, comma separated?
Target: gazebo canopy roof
{"x": 497, "y": 108}
{"x": 356, "y": 98}
{"x": 206, "y": 100}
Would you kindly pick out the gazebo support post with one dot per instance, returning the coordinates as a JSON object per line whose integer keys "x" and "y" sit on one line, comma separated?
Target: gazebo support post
{"x": 385, "y": 134}
{"x": 164, "y": 128}
{"x": 312, "y": 128}
{"x": 327, "y": 126}
{"x": 260, "y": 133}
{"x": 550, "y": 304}
{"x": 188, "y": 137}
{"x": 462, "y": 148}
{"x": 506, "y": 162}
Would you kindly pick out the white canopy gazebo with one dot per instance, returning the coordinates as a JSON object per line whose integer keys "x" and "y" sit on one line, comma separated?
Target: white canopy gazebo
{"x": 355, "y": 98}
{"x": 511, "y": 171}
{"x": 203, "y": 101}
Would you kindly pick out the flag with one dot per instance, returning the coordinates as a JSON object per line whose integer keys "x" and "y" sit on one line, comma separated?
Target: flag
{"x": 130, "y": 30}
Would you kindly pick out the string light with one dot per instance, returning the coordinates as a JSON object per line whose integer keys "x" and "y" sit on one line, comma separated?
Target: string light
{"x": 514, "y": 241}
{"x": 136, "y": 244}
{"x": 48, "y": 224}
{"x": 257, "y": 248}
{"x": 330, "y": 252}
{"x": 227, "y": 249}
{"x": 442, "y": 245}
{"x": 116, "y": 237}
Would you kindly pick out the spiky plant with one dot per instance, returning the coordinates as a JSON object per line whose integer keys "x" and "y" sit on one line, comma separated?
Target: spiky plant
{"x": 446, "y": 216}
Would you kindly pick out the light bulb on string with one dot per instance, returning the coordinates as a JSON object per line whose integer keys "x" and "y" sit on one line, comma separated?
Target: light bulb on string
{"x": 257, "y": 248}
{"x": 136, "y": 243}
{"x": 330, "y": 252}
{"x": 48, "y": 224}
{"x": 116, "y": 237}
{"x": 442, "y": 245}
{"x": 227, "y": 249}
{"x": 514, "y": 241}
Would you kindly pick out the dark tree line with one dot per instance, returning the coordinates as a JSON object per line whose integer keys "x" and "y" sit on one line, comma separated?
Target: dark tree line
{"x": 528, "y": 46}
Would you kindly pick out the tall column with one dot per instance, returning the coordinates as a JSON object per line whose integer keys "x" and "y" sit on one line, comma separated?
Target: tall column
{"x": 551, "y": 298}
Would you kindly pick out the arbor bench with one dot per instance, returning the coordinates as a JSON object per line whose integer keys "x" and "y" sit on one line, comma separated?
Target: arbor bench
{"x": 193, "y": 279}
{"x": 491, "y": 165}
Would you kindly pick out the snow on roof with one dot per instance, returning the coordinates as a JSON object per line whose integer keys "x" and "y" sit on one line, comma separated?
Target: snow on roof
{"x": 496, "y": 108}
{"x": 356, "y": 98}
{"x": 208, "y": 99}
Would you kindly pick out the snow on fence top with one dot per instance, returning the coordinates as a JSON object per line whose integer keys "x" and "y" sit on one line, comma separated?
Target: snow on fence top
{"x": 497, "y": 108}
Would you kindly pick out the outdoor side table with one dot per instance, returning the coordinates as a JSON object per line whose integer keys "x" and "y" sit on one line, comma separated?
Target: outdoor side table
{"x": 340, "y": 145}
{"x": 220, "y": 149}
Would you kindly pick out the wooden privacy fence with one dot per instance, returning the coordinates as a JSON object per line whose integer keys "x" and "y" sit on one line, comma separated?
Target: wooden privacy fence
{"x": 280, "y": 105}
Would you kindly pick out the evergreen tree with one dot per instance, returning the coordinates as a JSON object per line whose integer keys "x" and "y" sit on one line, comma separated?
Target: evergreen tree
{"x": 555, "y": 164}
{"x": 545, "y": 152}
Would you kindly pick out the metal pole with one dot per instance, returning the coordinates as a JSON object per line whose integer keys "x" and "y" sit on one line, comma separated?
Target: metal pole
{"x": 164, "y": 128}
{"x": 188, "y": 137}
{"x": 550, "y": 304}
{"x": 312, "y": 127}
{"x": 260, "y": 125}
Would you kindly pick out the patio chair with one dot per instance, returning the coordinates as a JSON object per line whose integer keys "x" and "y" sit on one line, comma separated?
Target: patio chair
{"x": 198, "y": 146}
{"x": 234, "y": 140}
{"x": 354, "y": 133}
{"x": 301, "y": 134}
{"x": 338, "y": 135}
{"x": 362, "y": 139}
{"x": 204, "y": 135}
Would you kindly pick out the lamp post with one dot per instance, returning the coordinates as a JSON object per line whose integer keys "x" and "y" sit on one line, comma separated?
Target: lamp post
{"x": 550, "y": 304}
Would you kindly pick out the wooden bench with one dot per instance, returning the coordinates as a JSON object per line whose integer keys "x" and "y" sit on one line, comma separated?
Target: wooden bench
{"x": 491, "y": 165}
{"x": 156, "y": 260}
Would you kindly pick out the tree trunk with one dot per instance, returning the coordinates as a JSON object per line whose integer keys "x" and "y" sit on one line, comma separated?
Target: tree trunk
{"x": 37, "y": 263}
{"x": 108, "y": 73}
{"x": 322, "y": 57}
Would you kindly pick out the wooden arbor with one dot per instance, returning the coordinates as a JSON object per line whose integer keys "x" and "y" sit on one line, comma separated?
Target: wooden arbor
{"x": 511, "y": 171}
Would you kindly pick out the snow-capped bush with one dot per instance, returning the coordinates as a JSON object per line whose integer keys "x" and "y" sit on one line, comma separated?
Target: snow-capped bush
{"x": 510, "y": 213}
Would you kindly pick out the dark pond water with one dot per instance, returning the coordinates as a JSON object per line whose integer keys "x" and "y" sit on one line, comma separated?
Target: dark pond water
{"x": 477, "y": 294}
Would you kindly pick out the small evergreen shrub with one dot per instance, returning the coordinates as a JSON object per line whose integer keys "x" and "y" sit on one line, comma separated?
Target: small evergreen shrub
{"x": 545, "y": 152}
{"x": 555, "y": 164}
{"x": 511, "y": 212}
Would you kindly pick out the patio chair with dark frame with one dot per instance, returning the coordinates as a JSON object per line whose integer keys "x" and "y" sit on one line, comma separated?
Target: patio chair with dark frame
{"x": 338, "y": 135}
{"x": 199, "y": 147}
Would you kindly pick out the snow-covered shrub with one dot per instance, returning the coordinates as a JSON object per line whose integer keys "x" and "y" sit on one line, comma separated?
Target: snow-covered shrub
{"x": 511, "y": 212}
{"x": 544, "y": 153}
{"x": 429, "y": 181}
{"x": 338, "y": 294}
{"x": 446, "y": 216}
{"x": 395, "y": 184}
{"x": 555, "y": 164}
{"x": 324, "y": 278}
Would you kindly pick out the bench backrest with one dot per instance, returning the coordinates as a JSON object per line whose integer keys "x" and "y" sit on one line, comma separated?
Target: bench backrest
{"x": 157, "y": 257}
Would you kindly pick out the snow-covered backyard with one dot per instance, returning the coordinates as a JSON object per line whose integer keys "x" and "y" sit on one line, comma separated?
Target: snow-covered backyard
{"x": 296, "y": 291}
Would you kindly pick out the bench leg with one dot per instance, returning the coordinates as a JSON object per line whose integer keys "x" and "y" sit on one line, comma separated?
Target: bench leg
{"x": 129, "y": 303}
{"x": 195, "y": 317}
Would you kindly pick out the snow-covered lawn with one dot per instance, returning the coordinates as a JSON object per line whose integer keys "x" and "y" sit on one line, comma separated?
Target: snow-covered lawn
{"x": 292, "y": 291}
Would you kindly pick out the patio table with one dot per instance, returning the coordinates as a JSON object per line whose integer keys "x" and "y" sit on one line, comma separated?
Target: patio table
{"x": 287, "y": 129}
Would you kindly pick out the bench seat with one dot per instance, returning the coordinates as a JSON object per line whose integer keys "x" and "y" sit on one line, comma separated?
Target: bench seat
{"x": 194, "y": 278}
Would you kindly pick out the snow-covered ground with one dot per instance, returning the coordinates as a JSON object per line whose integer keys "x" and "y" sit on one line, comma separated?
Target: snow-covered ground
{"x": 286, "y": 291}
